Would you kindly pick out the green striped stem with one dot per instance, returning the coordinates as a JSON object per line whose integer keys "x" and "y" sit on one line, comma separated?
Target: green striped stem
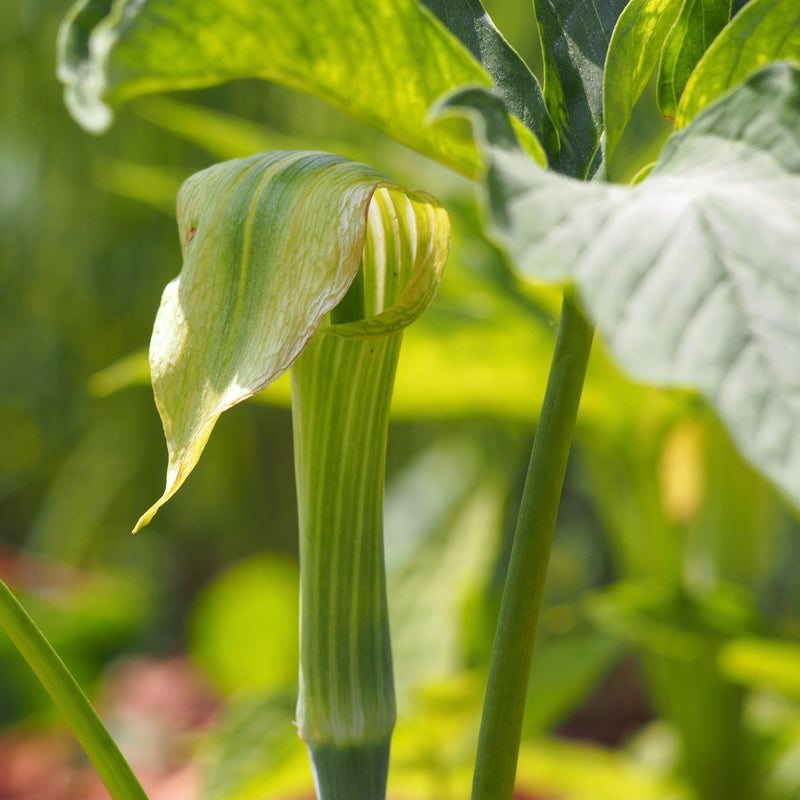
{"x": 501, "y": 726}
{"x": 341, "y": 393}
{"x": 70, "y": 699}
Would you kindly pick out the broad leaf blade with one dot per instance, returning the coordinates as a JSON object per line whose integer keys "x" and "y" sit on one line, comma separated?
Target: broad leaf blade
{"x": 692, "y": 275}
{"x": 632, "y": 56}
{"x": 764, "y": 31}
{"x": 271, "y": 244}
{"x": 575, "y": 37}
{"x": 513, "y": 80}
{"x": 697, "y": 25}
{"x": 383, "y": 61}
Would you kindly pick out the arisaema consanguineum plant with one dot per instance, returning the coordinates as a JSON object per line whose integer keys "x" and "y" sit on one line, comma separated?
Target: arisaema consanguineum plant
{"x": 308, "y": 261}
{"x": 315, "y": 262}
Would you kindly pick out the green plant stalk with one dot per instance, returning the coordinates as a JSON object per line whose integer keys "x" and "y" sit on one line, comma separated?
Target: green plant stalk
{"x": 70, "y": 699}
{"x": 341, "y": 391}
{"x": 501, "y": 726}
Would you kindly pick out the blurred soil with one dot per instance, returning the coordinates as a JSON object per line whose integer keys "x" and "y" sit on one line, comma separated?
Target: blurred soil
{"x": 617, "y": 709}
{"x": 157, "y": 708}
{"x": 154, "y": 709}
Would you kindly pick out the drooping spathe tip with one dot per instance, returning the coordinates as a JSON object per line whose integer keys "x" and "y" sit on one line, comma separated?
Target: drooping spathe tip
{"x": 145, "y": 518}
{"x": 181, "y": 463}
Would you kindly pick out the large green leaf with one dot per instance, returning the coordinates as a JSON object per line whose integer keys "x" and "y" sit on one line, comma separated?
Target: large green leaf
{"x": 764, "y": 31}
{"x": 697, "y": 25}
{"x": 692, "y": 275}
{"x": 468, "y": 21}
{"x": 383, "y": 61}
{"x": 632, "y": 56}
{"x": 271, "y": 244}
{"x": 575, "y": 36}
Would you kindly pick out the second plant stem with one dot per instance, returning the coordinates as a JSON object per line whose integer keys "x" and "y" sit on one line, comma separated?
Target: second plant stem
{"x": 501, "y": 726}
{"x": 70, "y": 699}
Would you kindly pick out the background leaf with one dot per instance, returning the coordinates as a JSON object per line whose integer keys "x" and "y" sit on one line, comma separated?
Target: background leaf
{"x": 258, "y": 594}
{"x": 578, "y": 771}
{"x": 692, "y": 274}
{"x": 575, "y": 36}
{"x": 632, "y": 55}
{"x": 697, "y": 25}
{"x": 442, "y": 515}
{"x": 765, "y": 30}
{"x": 255, "y": 752}
{"x": 563, "y": 672}
{"x": 514, "y": 82}
{"x": 769, "y": 664}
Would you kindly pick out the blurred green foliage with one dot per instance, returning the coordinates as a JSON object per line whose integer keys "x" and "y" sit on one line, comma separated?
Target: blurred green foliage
{"x": 675, "y": 565}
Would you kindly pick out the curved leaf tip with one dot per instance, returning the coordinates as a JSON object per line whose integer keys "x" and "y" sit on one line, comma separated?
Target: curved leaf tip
{"x": 177, "y": 471}
{"x": 84, "y": 40}
{"x": 271, "y": 244}
{"x": 487, "y": 113}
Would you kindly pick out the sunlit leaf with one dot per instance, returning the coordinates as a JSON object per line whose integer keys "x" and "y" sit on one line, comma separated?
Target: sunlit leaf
{"x": 580, "y": 771}
{"x": 383, "y": 61}
{"x": 698, "y": 23}
{"x": 632, "y": 55}
{"x": 764, "y": 31}
{"x": 271, "y": 244}
{"x": 575, "y": 38}
{"x": 692, "y": 274}
{"x": 767, "y": 664}
{"x": 482, "y": 349}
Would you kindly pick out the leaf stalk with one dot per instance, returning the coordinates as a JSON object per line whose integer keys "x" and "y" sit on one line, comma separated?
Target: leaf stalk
{"x": 501, "y": 726}
{"x": 70, "y": 699}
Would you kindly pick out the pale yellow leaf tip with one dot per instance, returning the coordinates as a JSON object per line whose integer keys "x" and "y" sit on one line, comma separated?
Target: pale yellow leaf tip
{"x": 180, "y": 465}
